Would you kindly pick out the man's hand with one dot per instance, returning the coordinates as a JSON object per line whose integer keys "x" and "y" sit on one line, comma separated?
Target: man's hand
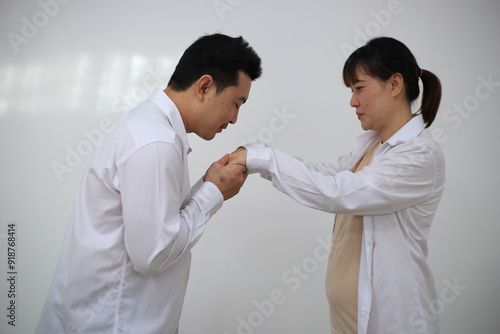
{"x": 229, "y": 178}
{"x": 239, "y": 156}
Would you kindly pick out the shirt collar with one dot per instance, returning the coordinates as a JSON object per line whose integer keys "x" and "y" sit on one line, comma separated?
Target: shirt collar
{"x": 410, "y": 130}
{"x": 163, "y": 101}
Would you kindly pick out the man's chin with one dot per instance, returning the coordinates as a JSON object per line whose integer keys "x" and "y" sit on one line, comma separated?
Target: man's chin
{"x": 208, "y": 136}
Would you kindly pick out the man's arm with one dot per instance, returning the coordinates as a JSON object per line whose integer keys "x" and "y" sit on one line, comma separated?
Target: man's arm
{"x": 159, "y": 228}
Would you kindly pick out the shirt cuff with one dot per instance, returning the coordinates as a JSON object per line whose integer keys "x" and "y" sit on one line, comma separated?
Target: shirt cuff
{"x": 208, "y": 197}
{"x": 258, "y": 158}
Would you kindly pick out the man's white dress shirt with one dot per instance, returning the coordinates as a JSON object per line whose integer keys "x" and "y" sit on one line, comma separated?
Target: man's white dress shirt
{"x": 397, "y": 195}
{"x": 125, "y": 259}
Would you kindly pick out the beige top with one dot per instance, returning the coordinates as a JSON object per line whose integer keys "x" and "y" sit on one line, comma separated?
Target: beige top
{"x": 343, "y": 265}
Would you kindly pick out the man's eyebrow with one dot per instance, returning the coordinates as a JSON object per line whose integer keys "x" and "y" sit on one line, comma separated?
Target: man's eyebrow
{"x": 243, "y": 99}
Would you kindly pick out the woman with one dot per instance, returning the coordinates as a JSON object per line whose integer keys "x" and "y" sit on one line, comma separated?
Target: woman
{"x": 385, "y": 194}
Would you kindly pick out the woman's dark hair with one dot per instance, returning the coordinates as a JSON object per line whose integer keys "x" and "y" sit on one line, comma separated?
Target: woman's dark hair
{"x": 384, "y": 56}
{"x": 219, "y": 56}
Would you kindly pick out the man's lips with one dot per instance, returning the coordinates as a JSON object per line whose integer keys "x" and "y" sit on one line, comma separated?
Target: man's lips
{"x": 359, "y": 115}
{"x": 222, "y": 127}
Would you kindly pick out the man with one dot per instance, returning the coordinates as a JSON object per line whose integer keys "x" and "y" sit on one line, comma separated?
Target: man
{"x": 125, "y": 259}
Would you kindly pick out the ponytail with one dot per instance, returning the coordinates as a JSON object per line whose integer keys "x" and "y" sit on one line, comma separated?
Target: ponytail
{"x": 431, "y": 96}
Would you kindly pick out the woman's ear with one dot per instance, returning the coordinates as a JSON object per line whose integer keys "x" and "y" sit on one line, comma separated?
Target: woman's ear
{"x": 397, "y": 84}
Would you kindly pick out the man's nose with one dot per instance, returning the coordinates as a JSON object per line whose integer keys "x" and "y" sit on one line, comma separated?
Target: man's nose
{"x": 234, "y": 118}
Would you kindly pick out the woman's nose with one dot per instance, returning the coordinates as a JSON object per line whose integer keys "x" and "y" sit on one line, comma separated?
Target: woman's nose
{"x": 354, "y": 101}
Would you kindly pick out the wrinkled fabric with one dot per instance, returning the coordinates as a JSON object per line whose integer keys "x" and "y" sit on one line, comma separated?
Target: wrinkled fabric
{"x": 125, "y": 258}
{"x": 397, "y": 195}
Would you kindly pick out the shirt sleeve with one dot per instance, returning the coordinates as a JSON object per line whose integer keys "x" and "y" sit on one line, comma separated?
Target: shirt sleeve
{"x": 405, "y": 175}
{"x": 160, "y": 226}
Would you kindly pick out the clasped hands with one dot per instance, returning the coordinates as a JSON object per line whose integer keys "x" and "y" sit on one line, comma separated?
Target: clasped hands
{"x": 229, "y": 173}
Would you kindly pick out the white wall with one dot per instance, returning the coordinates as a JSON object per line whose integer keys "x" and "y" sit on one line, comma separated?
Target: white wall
{"x": 68, "y": 67}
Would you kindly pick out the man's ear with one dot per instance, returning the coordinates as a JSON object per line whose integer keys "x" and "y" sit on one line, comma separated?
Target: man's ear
{"x": 203, "y": 86}
{"x": 397, "y": 84}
